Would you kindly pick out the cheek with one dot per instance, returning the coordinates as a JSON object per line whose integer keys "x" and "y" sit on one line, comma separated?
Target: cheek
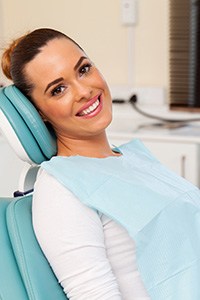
{"x": 52, "y": 110}
{"x": 99, "y": 79}
{"x": 57, "y": 113}
{"x": 104, "y": 86}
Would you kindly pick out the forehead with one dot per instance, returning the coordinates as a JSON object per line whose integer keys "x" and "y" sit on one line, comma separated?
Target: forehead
{"x": 55, "y": 57}
{"x": 60, "y": 46}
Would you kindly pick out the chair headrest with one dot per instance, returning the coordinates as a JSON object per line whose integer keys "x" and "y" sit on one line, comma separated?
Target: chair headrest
{"x": 24, "y": 128}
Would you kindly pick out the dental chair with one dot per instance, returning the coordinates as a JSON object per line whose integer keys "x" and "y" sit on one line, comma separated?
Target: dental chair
{"x": 25, "y": 274}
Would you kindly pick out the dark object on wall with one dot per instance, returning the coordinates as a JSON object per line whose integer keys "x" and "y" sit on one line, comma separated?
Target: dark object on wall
{"x": 185, "y": 54}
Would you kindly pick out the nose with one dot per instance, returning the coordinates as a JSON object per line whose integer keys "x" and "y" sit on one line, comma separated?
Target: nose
{"x": 82, "y": 91}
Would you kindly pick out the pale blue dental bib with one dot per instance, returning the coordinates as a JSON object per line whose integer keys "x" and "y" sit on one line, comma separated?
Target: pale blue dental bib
{"x": 160, "y": 210}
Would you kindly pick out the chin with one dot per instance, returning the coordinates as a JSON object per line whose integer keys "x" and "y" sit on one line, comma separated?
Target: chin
{"x": 103, "y": 124}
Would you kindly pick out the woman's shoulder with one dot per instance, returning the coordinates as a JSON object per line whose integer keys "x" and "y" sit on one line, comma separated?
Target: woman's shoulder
{"x": 44, "y": 179}
{"x": 50, "y": 197}
{"x": 47, "y": 185}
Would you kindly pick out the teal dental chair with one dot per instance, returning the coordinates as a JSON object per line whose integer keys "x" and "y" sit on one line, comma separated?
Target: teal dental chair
{"x": 24, "y": 271}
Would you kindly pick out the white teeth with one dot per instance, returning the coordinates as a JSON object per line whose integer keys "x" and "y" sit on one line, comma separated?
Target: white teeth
{"x": 90, "y": 108}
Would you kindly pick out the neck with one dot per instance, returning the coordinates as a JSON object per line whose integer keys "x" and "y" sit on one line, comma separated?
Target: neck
{"x": 95, "y": 146}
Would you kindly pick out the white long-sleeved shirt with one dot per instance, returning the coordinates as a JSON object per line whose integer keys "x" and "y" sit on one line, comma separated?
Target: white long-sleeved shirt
{"x": 92, "y": 256}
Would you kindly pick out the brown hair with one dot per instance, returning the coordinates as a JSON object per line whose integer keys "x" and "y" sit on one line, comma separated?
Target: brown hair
{"x": 22, "y": 50}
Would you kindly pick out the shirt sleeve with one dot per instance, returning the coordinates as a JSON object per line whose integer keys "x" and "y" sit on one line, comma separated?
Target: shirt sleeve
{"x": 71, "y": 237}
{"x": 121, "y": 252}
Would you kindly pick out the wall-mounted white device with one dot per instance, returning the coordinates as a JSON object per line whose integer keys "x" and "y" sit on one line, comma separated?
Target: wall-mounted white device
{"x": 129, "y": 12}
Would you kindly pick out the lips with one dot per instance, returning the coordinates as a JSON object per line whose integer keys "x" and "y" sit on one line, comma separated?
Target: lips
{"x": 90, "y": 107}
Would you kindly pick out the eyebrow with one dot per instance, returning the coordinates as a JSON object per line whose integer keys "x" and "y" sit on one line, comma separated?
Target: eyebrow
{"x": 53, "y": 82}
{"x": 80, "y": 62}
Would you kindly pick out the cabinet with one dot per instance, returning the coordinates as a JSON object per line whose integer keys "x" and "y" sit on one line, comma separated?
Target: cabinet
{"x": 181, "y": 157}
{"x": 178, "y": 149}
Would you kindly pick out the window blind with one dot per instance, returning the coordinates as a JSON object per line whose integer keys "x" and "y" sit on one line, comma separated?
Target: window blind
{"x": 184, "y": 53}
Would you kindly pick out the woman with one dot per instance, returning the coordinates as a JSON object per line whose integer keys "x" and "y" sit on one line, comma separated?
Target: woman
{"x": 94, "y": 206}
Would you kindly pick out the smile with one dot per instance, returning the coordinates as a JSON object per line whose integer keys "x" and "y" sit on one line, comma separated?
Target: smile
{"x": 90, "y": 109}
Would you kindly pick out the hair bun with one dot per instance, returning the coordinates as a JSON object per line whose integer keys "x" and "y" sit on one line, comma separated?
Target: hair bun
{"x": 6, "y": 58}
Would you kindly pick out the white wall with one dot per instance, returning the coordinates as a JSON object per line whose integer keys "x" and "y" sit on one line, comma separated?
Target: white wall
{"x": 152, "y": 44}
{"x": 96, "y": 25}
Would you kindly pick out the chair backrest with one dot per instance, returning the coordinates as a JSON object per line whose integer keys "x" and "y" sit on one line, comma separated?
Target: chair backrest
{"x": 31, "y": 139}
{"x": 23, "y": 127}
{"x": 25, "y": 273}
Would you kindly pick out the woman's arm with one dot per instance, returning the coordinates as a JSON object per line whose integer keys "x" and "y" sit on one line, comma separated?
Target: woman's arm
{"x": 121, "y": 252}
{"x": 71, "y": 236}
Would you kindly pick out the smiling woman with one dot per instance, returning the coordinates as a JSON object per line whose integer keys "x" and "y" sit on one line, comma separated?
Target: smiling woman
{"x": 66, "y": 88}
{"x": 112, "y": 222}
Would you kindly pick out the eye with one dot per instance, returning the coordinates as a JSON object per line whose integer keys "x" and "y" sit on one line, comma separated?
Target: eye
{"x": 85, "y": 69}
{"x": 58, "y": 90}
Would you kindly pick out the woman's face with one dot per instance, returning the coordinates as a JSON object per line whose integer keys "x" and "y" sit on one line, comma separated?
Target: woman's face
{"x": 69, "y": 91}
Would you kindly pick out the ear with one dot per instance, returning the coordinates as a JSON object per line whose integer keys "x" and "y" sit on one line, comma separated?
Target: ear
{"x": 42, "y": 116}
